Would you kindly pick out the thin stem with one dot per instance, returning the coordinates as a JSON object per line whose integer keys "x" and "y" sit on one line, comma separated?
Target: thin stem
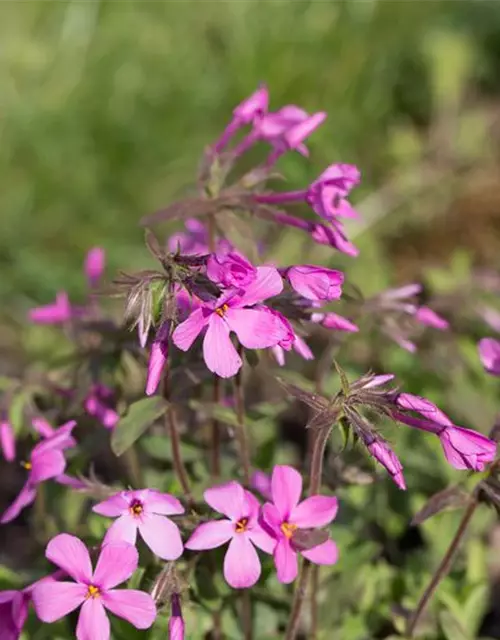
{"x": 314, "y": 602}
{"x": 246, "y": 614}
{"x": 239, "y": 401}
{"x": 133, "y": 465}
{"x": 173, "y": 429}
{"x": 443, "y": 567}
{"x": 215, "y": 427}
{"x": 314, "y": 486}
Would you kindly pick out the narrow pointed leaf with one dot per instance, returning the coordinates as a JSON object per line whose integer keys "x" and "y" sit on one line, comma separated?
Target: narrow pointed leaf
{"x": 140, "y": 416}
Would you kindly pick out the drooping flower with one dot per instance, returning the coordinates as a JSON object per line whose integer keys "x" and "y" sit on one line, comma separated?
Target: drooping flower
{"x": 176, "y": 622}
{"x": 463, "y": 448}
{"x": 100, "y": 403}
{"x": 57, "y": 312}
{"x": 158, "y": 357}
{"x": 331, "y": 320}
{"x": 7, "y": 440}
{"x": 299, "y": 345}
{"x": 327, "y": 195}
{"x": 234, "y": 311}
{"x": 429, "y": 318}
{"x": 144, "y": 511}
{"x": 230, "y": 269}
{"x": 315, "y": 283}
{"x": 93, "y": 590}
{"x": 489, "y": 352}
{"x": 381, "y": 451}
{"x": 95, "y": 261}
{"x": 240, "y": 528}
{"x": 286, "y": 517}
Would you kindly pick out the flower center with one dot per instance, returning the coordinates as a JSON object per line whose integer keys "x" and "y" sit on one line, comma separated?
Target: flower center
{"x": 288, "y": 529}
{"x": 92, "y": 592}
{"x": 136, "y": 508}
{"x": 26, "y": 465}
{"x": 222, "y": 310}
{"x": 241, "y": 525}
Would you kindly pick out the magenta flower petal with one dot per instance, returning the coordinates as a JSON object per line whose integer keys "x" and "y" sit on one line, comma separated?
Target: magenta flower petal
{"x": 256, "y": 328}
{"x": 326, "y": 553}
{"x": 425, "y": 407}
{"x": 467, "y": 449}
{"x": 187, "y": 332}
{"x": 267, "y": 284}
{"x": 286, "y": 486}
{"x": 176, "y": 622}
{"x": 489, "y": 352}
{"x": 285, "y": 559}
{"x": 117, "y": 562}
{"x": 54, "y": 313}
{"x": 316, "y": 511}
{"x": 135, "y": 607}
{"x": 162, "y": 536}
{"x": 123, "y": 529}
{"x": 70, "y": 481}
{"x": 93, "y": 623}
{"x": 26, "y": 496}
{"x": 46, "y": 464}
{"x": 261, "y": 539}
{"x": 271, "y": 518}
{"x": 261, "y": 482}
{"x": 332, "y": 320}
{"x": 112, "y": 507}
{"x": 381, "y": 451}
{"x": 230, "y": 270}
{"x": 43, "y": 427}
{"x": 297, "y": 134}
{"x": 163, "y": 504}
{"x": 54, "y": 600}
{"x": 71, "y": 555}
{"x": 302, "y": 348}
{"x": 315, "y": 283}
{"x": 218, "y": 351}
{"x": 7, "y": 441}
{"x": 210, "y": 535}
{"x": 94, "y": 265}
{"x": 228, "y": 498}
{"x": 254, "y": 105}
{"x": 430, "y": 318}
{"x": 241, "y": 563}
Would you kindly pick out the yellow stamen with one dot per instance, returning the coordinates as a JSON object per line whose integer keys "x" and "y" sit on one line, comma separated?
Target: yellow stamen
{"x": 92, "y": 592}
{"x": 222, "y": 310}
{"x": 288, "y": 529}
{"x": 136, "y": 508}
{"x": 241, "y": 525}
{"x": 26, "y": 465}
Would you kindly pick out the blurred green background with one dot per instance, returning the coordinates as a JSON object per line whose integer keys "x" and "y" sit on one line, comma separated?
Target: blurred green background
{"x": 105, "y": 109}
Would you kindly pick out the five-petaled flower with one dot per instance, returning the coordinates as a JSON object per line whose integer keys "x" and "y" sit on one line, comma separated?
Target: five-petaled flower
{"x": 235, "y": 311}
{"x": 93, "y": 590}
{"x": 285, "y": 517}
{"x": 240, "y": 528}
{"x": 144, "y": 511}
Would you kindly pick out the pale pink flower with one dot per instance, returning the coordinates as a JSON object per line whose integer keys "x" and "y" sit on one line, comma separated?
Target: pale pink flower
{"x": 93, "y": 590}
{"x": 240, "y": 528}
{"x": 285, "y": 516}
{"x": 254, "y": 327}
{"x": 315, "y": 283}
{"x": 144, "y": 511}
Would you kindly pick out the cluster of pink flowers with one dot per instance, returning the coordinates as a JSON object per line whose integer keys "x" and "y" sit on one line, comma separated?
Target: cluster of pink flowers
{"x": 274, "y": 528}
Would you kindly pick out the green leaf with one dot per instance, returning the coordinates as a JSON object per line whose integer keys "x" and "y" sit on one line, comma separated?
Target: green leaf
{"x": 140, "y": 416}
{"x": 160, "y": 448}
{"x": 452, "y": 628}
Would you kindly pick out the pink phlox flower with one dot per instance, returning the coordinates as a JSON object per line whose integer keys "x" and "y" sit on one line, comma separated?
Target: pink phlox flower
{"x": 158, "y": 357}
{"x": 100, "y": 403}
{"x": 315, "y": 283}
{"x": 463, "y": 448}
{"x": 331, "y": 320}
{"x": 281, "y": 128}
{"x": 489, "y": 352}
{"x": 327, "y": 195}
{"x": 254, "y": 327}
{"x": 46, "y": 462}
{"x": 333, "y": 235}
{"x": 285, "y": 516}
{"x": 95, "y": 261}
{"x": 7, "y": 440}
{"x": 14, "y": 607}
{"x": 176, "y": 627}
{"x": 230, "y": 269}
{"x": 299, "y": 345}
{"x": 93, "y": 590}
{"x": 57, "y": 312}
{"x": 240, "y": 528}
{"x": 144, "y": 511}
{"x": 429, "y": 318}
